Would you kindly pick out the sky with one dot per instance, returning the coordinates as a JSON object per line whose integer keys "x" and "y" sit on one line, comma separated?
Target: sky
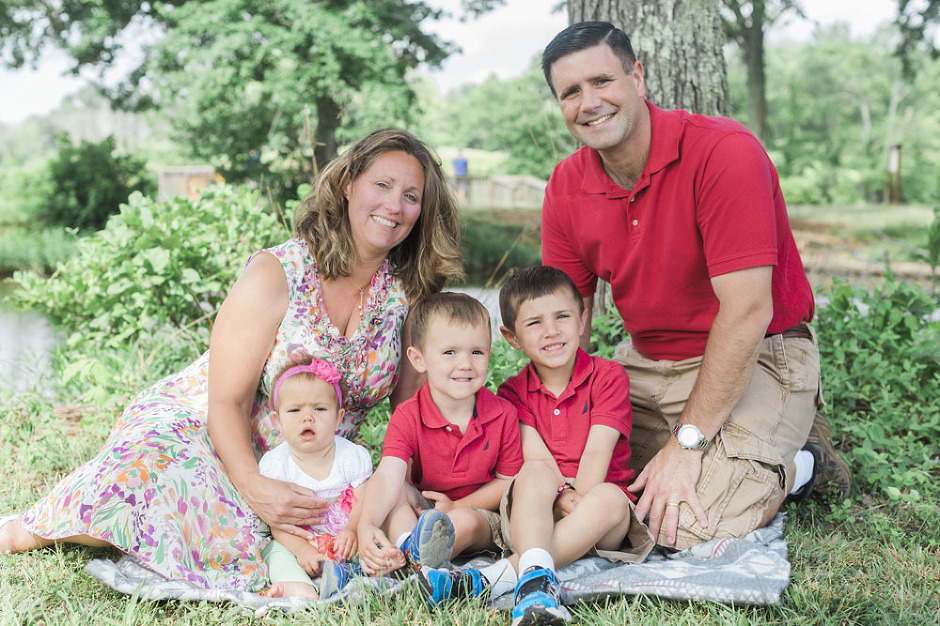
{"x": 502, "y": 42}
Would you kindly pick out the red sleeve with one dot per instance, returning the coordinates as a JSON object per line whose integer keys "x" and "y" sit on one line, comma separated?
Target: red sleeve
{"x": 735, "y": 212}
{"x": 610, "y": 397}
{"x": 557, "y": 250}
{"x": 510, "y": 447}
{"x": 514, "y": 391}
{"x": 400, "y": 436}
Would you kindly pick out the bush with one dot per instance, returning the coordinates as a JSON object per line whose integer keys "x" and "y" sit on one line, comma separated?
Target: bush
{"x": 156, "y": 267}
{"x": 881, "y": 371}
{"x": 89, "y": 183}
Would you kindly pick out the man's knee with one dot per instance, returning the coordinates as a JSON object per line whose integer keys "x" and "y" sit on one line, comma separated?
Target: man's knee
{"x": 739, "y": 495}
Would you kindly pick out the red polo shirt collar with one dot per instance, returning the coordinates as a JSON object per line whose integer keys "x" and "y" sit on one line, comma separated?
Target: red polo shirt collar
{"x": 583, "y": 369}
{"x": 484, "y": 411}
{"x": 666, "y": 132}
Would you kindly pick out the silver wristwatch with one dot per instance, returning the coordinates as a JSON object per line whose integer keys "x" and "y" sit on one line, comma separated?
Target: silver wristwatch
{"x": 690, "y": 437}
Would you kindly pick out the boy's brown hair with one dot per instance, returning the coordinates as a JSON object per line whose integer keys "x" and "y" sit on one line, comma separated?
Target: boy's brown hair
{"x": 454, "y": 307}
{"x": 530, "y": 283}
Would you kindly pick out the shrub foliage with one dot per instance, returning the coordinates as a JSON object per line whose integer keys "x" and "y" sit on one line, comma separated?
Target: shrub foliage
{"x": 156, "y": 267}
{"x": 89, "y": 182}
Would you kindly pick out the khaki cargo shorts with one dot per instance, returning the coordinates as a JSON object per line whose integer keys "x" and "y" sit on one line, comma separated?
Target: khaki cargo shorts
{"x": 744, "y": 468}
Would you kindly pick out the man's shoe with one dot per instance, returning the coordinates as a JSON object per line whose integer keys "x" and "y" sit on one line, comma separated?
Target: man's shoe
{"x": 831, "y": 474}
{"x": 538, "y": 599}
{"x": 431, "y": 542}
{"x": 440, "y": 585}
{"x": 336, "y": 576}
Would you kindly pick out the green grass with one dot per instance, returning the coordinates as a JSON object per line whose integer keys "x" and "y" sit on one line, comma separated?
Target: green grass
{"x": 863, "y": 561}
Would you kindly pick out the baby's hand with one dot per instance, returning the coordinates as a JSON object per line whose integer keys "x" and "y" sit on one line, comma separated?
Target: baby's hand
{"x": 441, "y": 502}
{"x": 310, "y": 560}
{"x": 347, "y": 543}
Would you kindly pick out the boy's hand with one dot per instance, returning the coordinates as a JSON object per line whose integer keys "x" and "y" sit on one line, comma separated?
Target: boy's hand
{"x": 441, "y": 502}
{"x": 566, "y": 503}
{"x": 377, "y": 554}
{"x": 346, "y": 544}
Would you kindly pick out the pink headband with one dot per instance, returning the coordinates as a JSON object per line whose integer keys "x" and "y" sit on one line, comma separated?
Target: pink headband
{"x": 321, "y": 369}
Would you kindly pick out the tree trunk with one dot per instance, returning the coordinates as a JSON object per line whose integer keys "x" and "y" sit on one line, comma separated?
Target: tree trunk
{"x": 680, "y": 44}
{"x": 753, "y": 37}
{"x": 328, "y": 114}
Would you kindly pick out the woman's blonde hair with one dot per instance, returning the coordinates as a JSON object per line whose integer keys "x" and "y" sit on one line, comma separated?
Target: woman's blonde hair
{"x": 431, "y": 252}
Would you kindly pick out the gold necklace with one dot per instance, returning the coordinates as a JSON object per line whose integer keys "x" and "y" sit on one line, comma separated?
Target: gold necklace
{"x": 362, "y": 292}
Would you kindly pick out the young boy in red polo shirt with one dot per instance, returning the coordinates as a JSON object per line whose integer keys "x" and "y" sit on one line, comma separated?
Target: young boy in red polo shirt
{"x": 455, "y": 441}
{"x": 570, "y": 498}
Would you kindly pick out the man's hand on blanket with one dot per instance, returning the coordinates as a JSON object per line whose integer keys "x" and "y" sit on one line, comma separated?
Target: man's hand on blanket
{"x": 441, "y": 502}
{"x": 378, "y": 555}
{"x": 285, "y": 506}
{"x": 669, "y": 478}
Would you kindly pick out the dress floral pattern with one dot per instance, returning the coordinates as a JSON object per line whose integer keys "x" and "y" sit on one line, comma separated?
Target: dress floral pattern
{"x": 158, "y": 490}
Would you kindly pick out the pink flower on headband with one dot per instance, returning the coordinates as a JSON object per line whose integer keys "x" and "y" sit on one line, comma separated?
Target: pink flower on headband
{"x": 319, "y": 368}
{"x": 324, "y": 370}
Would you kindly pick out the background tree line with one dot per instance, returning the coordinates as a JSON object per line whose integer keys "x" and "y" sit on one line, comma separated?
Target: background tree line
{"x": 266, "y": 91}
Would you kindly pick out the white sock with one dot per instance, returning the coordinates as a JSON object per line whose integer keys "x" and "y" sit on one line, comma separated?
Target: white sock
{"x": 401, "y": 539}
{"x": 536, "y": 557}
{"x": 804, "y": 464}
{"x": 501, "y": 577}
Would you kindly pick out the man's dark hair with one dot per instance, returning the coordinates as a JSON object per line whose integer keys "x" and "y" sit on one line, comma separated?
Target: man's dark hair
{"x": 582, "y": 36}
{"x": 530, "y": 283}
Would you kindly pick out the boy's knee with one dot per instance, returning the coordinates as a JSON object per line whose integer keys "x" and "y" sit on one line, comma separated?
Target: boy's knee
{"x": 609, "y": 500}
{"x": 536, "y": 472}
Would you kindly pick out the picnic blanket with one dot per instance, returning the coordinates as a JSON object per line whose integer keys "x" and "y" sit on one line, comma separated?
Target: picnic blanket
{"x": 751, "y": 570}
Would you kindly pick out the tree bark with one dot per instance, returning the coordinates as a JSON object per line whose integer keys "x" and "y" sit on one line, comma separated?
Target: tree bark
{"x": 680, "y": 44}
{"x": 753, "y": 37}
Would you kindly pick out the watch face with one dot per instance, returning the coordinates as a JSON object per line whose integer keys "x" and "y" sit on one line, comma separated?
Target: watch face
{"x": 687, "y": 436}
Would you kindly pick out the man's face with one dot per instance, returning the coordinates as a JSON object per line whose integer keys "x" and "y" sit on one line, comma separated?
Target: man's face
{"x": 601, "y": 103}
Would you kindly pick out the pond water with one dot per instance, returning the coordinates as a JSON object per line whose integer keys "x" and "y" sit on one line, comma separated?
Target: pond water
{"x": 26, "y": 343}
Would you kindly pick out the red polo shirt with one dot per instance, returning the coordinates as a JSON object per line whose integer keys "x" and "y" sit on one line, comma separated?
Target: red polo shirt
{"x": 707, "y": 203}
{"x": 446, "y": 460}
{"x": 598, "y": 393}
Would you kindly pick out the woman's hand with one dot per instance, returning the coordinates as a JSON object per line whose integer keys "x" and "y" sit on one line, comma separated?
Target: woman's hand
{"x": 283, "y": 505}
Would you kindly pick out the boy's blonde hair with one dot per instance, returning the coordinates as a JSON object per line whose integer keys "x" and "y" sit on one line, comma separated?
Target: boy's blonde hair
{"x": 530, "y": 283}
{"x": 455, "y": 307}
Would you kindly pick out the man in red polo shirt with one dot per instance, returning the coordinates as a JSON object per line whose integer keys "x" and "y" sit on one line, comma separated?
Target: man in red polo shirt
{"x": 683, "y": 215}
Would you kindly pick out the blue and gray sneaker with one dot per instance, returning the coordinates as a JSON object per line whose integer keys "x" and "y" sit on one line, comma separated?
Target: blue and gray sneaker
{"x": 431, "y": 542}
{"x": 538, "y": 599}
{"x": 335, "y": 576}
{"x": 441, "y": 585}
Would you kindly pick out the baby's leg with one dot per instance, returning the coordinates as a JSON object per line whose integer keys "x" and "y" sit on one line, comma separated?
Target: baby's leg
{"x": 288, "y": 578}
{"x": 602, "y": 519}
{"x": 292, "y": 589}
{"x": 472, "y": 529}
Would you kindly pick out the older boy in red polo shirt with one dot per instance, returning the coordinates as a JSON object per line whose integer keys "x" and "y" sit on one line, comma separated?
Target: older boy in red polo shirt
{"x": 570, "y": 497}
{"x": 455, "y": 441}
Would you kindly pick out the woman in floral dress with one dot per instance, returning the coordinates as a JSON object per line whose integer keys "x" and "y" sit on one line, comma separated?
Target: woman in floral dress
{"x": 177, "y": 483}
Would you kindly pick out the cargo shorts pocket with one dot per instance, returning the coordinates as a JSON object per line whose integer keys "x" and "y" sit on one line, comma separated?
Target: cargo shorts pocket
{"x": 741, "y": 478}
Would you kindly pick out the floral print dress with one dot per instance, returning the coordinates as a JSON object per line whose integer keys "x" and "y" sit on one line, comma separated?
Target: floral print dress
{"x": 159, "y": 491}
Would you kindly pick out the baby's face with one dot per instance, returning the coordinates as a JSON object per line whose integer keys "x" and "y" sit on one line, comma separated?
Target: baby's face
{"x": 308, "y": 412}
{"x": 455, "y": 358}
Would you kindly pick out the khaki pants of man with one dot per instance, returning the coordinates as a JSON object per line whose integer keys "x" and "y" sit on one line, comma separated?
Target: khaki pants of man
{"x": 744, "y": 468}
